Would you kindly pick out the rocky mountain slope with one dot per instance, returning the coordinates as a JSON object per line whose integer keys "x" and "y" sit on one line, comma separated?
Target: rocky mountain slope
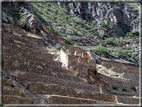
{"x": 114, "y": 26}
{"x": 34, "y": 35}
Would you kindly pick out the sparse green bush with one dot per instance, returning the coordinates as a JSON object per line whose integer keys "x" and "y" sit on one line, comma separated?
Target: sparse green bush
{"x": 124, "y": 54}
{"x": 26, "y": 13}
{"x": 88, "y": 27}
{"x": 96, "y": 33}
{"x": 114, "y": 41}
{"x": 105, "y": 24}
{"x": 100, "y": 50}
{"x": 77, "y": 20}
{"x": 22, "y": 22}
{"x": 76, "y": 45}
{"x": 68, "y": 40}
{"x": 114, "y": 87}
{"x": 78, "y": 28}
{"x": 132, "y": 34}
{"x": 104, "y": 36}
{"x": 49, "y": 28}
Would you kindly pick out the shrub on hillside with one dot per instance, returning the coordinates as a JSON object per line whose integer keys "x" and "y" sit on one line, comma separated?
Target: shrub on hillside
{"x": 68, "y": 40}
{"x": 105, "y": 25}
{"x": 114, "y": 41}
{"x": 77, "y": 20}
{"x": 124, "y": 54}
{"x": 100, "y": 50}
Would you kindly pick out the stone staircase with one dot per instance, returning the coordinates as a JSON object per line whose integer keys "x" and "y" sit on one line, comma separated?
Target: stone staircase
{"x": 31, "y": 76}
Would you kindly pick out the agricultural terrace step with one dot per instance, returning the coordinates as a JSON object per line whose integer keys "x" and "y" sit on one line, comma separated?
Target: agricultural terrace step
{"x": 29, "y": 53}
{"x": 121, "y": 67}
{"x": 42, "y": 88}
{"x": 33, "y": 50}
{"x": 59, "y": 73}
{"x": 131, "y": 76}
{"x": 119, "y": 82}
{"x": 33, "y": 56}
{"x": 58, "y": 99}
{"x": 127, "y": 100}
{"x": 43, "y": 68}
{"x": 7, "y": 90}
{"x": 7, "y": 40}
{"x": 10, "y": 99}
{"x": 29, "y": 61}
{"x": 54, "y": 80}
{"x": 24, "y": 39}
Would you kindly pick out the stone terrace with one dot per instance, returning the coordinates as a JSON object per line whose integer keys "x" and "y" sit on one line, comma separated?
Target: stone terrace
{"x": 31, "y": 76}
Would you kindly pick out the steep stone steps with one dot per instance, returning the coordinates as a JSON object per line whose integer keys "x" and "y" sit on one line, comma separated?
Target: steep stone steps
{"x": 32, "y": 77}
{"x": 43, "y": 88}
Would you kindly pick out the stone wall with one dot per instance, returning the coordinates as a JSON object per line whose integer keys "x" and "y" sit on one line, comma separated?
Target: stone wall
{"x": 131, "y": 72}
{"x": 76, "y": 61}
{"x": 123, "y": 83}
{"x": 63, "y": 58}
{"x": 121, "y": 67}
{"x": 70, "y": 47}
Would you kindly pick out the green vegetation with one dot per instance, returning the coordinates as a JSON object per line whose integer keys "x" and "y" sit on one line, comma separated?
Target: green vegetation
{"x": 68, "y": 40}
{"x": 76, "y": 45}
{"x": 115, "y": 41}
{"x": 22, "y": 22}
{"x": 136, "y": 6}
{"x": 104, "y": 36}
{"x": 114, "y": 87}
{"x": 100, "y": 50}
{"x": 26, "y": 13}
{"x": 132, "y": 35}
{"x": 50, "y": 28}
{"x": 105, "y": 24}
{"x": 77, "y": 20}
{"x": 124, "y": 54}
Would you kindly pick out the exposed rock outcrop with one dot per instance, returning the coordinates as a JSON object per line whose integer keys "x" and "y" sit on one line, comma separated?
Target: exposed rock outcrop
{"x": 120, "y": 18}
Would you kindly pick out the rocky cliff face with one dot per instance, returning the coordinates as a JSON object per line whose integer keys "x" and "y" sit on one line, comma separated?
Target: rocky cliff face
{"x": 119, "y": 18}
